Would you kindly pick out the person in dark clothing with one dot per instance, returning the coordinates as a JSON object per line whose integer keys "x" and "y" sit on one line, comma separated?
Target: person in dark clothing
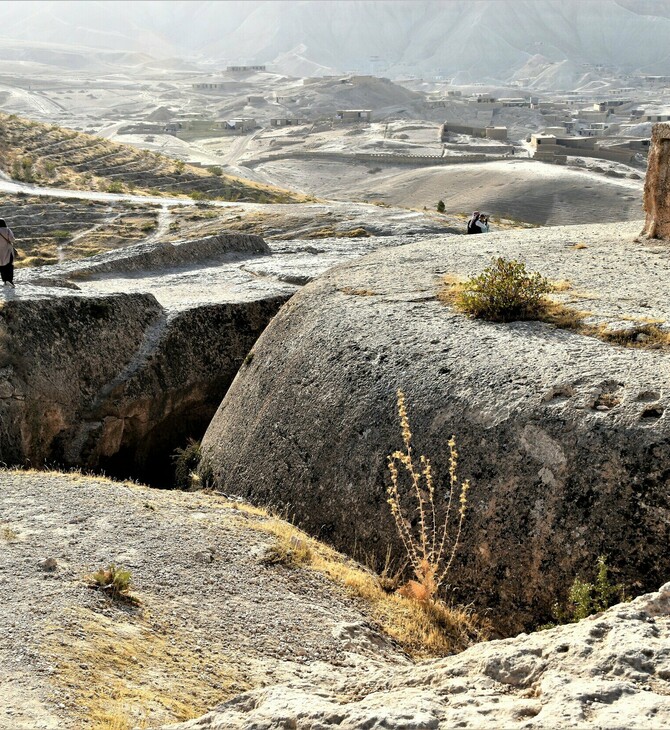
{"x": 7, "y": 254}
{"x": 478, "y": 223}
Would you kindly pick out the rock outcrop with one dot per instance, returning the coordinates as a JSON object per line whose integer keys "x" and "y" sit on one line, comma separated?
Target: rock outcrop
{"x": 94, "y": 378}
{"x": 657, "y": 184}
{"x": 609, "y": 672}
{"x": 116, "y": 382}
{"x": 564, "y": 436}
{"x": 114, "y": 361}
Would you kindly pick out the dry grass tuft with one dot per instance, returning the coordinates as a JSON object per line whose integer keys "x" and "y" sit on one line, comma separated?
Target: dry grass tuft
{"x": 8, "y": 534}
{"x": 561, "y": 285}
{"x": 332, "y": 232}
{"x": 428, "y": 629}
{"x": 647, "y": 336}
{"x": 289, "y": 549}
{"x": 114, "y": 582}
{"x": 122, "y": 674}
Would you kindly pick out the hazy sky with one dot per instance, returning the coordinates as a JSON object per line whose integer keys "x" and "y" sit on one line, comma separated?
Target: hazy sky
{"x": 480, "y": 37}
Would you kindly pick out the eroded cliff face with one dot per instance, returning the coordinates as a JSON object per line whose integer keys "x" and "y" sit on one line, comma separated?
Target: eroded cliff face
{"x": 116, "y": 382}
{"x": 657, "y": 184}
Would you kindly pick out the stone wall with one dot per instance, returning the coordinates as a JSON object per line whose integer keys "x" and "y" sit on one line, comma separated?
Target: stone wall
{"x": 657, "y": 184}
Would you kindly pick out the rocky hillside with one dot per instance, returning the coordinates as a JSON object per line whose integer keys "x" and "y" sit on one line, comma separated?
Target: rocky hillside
{"x": 563, "y": 432}
{"x": 121, "y": 379}
{"x": 609, "y": 672}
{"x": 50, "y": 155}
{"x": 49, "y": 231}
{"x": 115, "y": 361}
{"x": 472, "y": 38}
{"x": 228, "y": 605}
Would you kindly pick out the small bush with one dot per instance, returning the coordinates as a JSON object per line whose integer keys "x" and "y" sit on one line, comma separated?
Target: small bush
{"x": 61, "y": 235}
{"x": 585, "y": 599}
{"x": 115, "y": 582}
{"x": 186, "y": 463}
{"x": 115, "y": 187}
{"x": 505, "y": 292}
{"x": 215, "y": 170}
{"x": 440, "y": 206}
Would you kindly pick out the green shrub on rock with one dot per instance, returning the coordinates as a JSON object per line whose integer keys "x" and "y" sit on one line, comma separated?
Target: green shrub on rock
{"x": 585, "y": 599}
{"x": 504, "y": 292}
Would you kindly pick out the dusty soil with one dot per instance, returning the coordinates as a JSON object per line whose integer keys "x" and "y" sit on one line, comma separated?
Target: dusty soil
{"x": 212, "y": 619}
{"x": 520, "y": 189}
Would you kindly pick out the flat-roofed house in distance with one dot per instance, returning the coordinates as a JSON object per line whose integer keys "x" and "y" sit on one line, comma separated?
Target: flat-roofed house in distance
{"x": 353, "y": 115}
{"x": 490, "y": 132}
{"x": 286, "y": 122}
{"x": 656, "y": 115}
{"x": 245, "y": 69}
{"x": 241, "y": 124}
{"x": 208, "y": 86}
{"x": 555, "y": 148}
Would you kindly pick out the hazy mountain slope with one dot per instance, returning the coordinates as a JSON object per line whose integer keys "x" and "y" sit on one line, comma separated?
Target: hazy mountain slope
{"x": 480, "y": 38}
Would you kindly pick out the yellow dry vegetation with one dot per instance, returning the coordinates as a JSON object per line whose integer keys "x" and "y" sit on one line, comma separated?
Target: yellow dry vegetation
{"x": 128, "y": 671}
{"x": 423, "y": 629}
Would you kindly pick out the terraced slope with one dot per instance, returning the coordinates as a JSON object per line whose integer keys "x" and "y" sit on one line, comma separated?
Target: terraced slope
{"x": 51, "y": 230}
{"x": 47, "y": 154}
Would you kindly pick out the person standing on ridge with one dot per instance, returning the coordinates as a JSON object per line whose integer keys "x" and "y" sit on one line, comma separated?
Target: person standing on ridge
{"x": 7, "y": 254}
{"x": 478, "y": 223}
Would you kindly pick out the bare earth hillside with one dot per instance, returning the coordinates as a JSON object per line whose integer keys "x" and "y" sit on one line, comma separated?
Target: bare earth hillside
{"x": 215, "y": 616}
{"x": 33, "y": 152}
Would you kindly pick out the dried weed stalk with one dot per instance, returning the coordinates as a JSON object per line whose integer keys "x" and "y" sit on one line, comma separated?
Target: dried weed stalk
{"x": 431, "y": 546}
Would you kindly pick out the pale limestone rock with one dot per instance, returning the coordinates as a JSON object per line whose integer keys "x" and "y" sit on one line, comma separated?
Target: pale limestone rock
{"x": 608, "y": 672}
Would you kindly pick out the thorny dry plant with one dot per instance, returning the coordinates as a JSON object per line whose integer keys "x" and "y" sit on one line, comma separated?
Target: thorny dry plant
{"x": 431, "y": 548}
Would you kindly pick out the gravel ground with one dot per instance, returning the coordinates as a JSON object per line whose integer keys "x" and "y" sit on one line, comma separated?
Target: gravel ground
{"x": 213, "y": 621}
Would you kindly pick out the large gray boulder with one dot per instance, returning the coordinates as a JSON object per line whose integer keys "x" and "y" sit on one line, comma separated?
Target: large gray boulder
{"x": 564, "y": 436}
